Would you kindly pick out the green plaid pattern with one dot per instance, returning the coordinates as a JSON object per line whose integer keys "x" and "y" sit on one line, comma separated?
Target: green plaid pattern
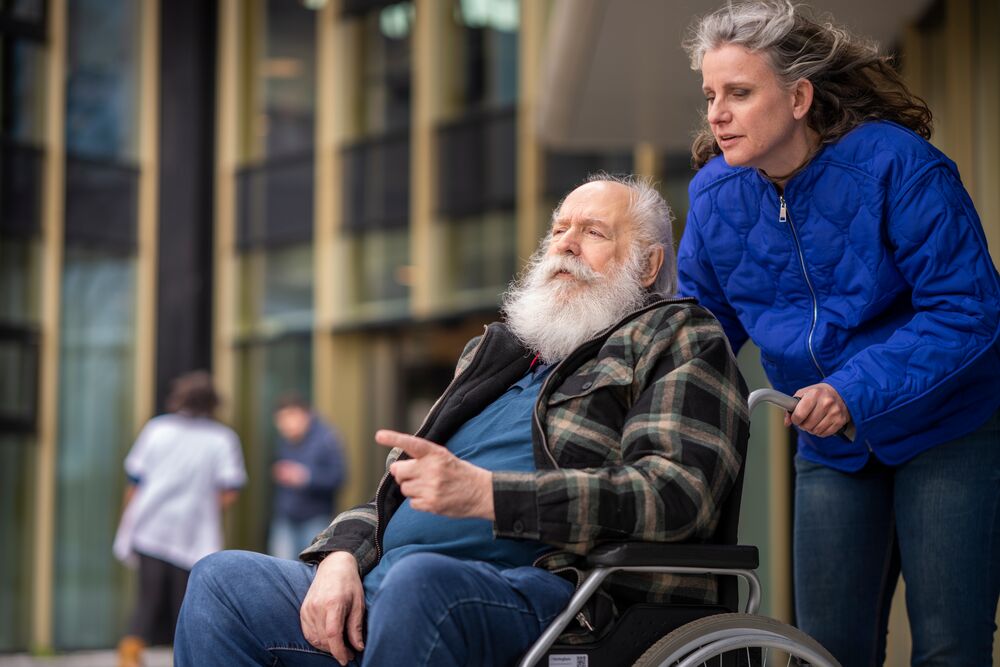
{"x": 636, "y": 439}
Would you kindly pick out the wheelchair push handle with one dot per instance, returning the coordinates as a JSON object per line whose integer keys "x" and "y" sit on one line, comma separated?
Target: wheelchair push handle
{"x": 788, "y": 403}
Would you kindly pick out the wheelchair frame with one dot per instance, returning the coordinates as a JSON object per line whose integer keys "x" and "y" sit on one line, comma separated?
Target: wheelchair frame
{"x": 678, "y": 558}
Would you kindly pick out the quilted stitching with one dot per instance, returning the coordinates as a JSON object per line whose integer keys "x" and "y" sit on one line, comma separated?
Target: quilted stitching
{"x": 896, "y": 257}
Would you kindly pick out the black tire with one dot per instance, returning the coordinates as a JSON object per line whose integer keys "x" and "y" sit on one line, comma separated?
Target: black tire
{"x": 728, "y": 636}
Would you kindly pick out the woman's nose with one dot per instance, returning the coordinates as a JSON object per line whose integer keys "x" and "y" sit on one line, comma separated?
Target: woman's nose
{"x": 717, "y": 113}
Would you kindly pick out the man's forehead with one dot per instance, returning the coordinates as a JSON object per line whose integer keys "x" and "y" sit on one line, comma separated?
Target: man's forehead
{"x": 603, "y": 201}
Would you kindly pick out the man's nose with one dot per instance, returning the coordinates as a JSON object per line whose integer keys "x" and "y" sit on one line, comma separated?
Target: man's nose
{"x": 567, "y": 242}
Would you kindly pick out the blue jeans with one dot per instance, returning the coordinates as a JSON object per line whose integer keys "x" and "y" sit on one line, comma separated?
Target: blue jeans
{"x": 936, "y": 519}
{"x": 287, "y": 538}
{"x": 242, "y": 608}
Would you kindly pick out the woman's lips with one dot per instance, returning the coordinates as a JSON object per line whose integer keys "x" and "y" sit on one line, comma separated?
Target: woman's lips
{"x": 727, "y": 140}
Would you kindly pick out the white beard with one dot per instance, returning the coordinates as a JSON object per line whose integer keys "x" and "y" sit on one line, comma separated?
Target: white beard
{"x": 552, "y": 315}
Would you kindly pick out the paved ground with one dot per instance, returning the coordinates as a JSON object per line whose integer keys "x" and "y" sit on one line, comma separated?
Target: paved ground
{"x": 156, "y": 657}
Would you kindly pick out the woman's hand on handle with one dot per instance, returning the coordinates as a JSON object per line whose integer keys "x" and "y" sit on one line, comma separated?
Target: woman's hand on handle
{"x": 820, "y": 411}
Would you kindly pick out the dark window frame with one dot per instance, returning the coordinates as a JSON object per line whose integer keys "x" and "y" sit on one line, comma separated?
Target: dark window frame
{"x": 29, "y": 338}
{"x": 359, "y": 216}
{"x": 18, "y": 186}
{"x": 487, "y": 189}
{"x": 35, "y": 31}
{"x": 272, "y": 235}
{"x": 83, "y": 230}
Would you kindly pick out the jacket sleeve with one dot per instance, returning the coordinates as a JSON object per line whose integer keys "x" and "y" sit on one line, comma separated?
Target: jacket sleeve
{"x": 939, "y": 248}
{"x": 680, "y": 454}
{"x": 696, "y": 277}
{"x": 352, "y": 530}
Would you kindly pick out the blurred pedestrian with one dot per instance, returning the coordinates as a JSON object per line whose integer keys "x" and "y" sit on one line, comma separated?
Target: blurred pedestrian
{"x": 183, "y": 470}
{"x": 307, "y": 473}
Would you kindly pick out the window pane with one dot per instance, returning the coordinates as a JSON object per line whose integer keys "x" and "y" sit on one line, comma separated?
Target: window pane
{"x": 101, "y": 79}
{"x": 386, "y": 69}
{"x": 18, "y": 373}
{"x": 95, "y": 432}
{"x": 276, "y": 291}
{"x": 482, "y": 253}
{"x": 24, "y": 111}
{"x": 275, "y": 202}
{"x": 485, "y": 53}
{"x": 17, "y": 521}
{"x": 264, "y": 372}
{"x": 31, "y": 11}
{"x": 379, "y": 273}
{"x": 279, "y": 111}
{"x": 20, "y": 266}
{"x": 376, "y": 183}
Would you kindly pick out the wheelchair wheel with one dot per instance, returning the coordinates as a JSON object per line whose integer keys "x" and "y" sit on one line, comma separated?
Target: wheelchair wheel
{"x": 739, "y": 640}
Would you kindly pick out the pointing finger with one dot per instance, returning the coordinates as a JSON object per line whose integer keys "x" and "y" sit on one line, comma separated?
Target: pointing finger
{"x": 412, "y": 445}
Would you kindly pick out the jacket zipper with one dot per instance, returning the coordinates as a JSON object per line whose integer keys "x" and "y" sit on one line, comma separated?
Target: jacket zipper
{"x": 430, "y": 413}
{"x": 784, "y": 218}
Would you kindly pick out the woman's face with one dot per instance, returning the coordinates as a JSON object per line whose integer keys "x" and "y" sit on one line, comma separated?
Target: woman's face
{"x": 756, "y": 122}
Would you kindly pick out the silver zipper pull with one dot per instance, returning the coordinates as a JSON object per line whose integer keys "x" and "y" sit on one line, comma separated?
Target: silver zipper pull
{"x": 783, "y": 213}
{"x": 582, "y": 620}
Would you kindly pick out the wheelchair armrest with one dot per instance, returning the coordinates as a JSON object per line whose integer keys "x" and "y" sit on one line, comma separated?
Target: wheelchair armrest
{"x": 644, "y": 554}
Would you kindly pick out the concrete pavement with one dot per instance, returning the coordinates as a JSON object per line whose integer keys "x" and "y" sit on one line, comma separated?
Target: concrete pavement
{"x": 154, "y": 657}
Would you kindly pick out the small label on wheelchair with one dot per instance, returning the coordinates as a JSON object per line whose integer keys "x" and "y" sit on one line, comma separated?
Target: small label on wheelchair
{"x": 568, "y": 661}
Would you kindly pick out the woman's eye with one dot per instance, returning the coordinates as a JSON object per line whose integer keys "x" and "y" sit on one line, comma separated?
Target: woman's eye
{"x": 740, "y": 93}
{"x": 557, "y": 232}
{"x": 595, "y": 232}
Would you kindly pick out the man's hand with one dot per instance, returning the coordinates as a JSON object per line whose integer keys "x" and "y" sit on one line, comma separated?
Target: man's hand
{"x": 333, "y": 609}
{"x": 290, "y": 473}
{"x": 437, "y": 481}
{"x": 821, "y": 411}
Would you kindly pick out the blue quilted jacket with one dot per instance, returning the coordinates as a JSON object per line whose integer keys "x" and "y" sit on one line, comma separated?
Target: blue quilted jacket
{"x": 871, "y": 273}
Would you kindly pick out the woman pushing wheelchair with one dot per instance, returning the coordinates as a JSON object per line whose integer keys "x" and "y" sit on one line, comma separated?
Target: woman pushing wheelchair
{"x": 825, "y": 228}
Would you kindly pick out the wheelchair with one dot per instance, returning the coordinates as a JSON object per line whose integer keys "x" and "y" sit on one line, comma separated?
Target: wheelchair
{"x": 683, "y": 635}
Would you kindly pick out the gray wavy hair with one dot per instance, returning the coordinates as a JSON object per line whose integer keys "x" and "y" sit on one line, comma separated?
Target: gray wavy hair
{"x": 852, "y": 82}
{"x": 653, "y": 220}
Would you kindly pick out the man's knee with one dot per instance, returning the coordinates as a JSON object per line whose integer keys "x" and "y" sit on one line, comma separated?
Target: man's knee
{"x": 222, "y": 566}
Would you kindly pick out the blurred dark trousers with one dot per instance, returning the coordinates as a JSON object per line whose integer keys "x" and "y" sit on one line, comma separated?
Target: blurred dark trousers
{"x": 158, "y": 602}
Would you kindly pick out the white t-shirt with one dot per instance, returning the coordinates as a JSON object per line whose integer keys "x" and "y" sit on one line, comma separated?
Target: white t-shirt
{"x": 182, "y": 464}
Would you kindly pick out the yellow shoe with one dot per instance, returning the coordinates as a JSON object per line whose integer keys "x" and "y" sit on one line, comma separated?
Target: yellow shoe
{"x": 130, "y": 650}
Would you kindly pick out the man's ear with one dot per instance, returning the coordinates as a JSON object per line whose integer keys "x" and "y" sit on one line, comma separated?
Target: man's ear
{"x": 653, "y": 267}
{"x": 803, "y": 98}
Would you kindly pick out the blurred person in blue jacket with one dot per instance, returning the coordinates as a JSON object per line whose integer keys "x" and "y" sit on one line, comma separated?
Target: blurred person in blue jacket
{"x": 183, "y": 470}
{"x": 825, "y": 228}
{"x": 307, "y": 473}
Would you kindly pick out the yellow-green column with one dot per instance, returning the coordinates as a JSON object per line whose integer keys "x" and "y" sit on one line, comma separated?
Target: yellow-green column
{"x": 53, "y": 208}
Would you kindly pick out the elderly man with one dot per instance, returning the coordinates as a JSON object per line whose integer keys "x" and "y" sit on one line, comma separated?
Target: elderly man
{"x": 598, "y": 411}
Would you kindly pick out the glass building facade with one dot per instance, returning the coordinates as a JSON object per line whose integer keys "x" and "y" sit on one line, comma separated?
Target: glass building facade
{"x": 341, "y": 191}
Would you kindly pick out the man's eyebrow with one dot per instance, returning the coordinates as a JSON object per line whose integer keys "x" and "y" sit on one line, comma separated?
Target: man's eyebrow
{"x": 592, "y": 221}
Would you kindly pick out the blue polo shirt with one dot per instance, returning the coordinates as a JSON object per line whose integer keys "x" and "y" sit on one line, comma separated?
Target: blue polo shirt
{"x": 498, "y": 438}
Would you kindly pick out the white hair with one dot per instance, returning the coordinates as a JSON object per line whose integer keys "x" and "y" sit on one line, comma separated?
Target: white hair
{"x": 652, "y": 220}
{"x": 553, "y": 317}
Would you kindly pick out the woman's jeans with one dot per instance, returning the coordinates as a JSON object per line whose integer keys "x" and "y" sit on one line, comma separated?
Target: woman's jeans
{"x": 936, "y": 518}
{"x": 242, "y": 608}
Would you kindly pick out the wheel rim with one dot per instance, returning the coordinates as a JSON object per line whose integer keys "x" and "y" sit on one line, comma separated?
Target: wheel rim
{"x": 717, "y": 647}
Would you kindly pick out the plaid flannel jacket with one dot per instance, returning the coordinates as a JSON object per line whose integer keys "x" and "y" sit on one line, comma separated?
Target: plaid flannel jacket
{"x": 638, "y": 435}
